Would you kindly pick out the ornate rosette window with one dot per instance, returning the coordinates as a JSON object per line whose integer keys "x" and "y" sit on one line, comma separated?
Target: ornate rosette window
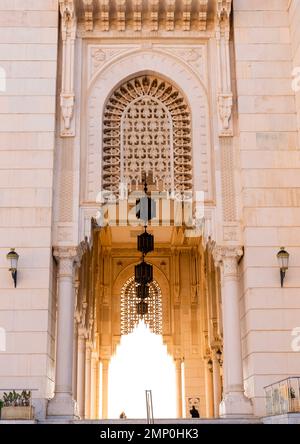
{"x": 147, "y": 128}
{"x": 129, "y": 314}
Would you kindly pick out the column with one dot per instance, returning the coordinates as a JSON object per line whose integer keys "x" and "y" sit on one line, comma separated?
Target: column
{"x": 179, "y": 387}
{"x": 62, "y": 404}
{"x": 75, "y": 360}
{"x": 216, "y": 384}
{"x": 209, "y": 389}
{"x": 234, "y": 403}
{"x": 95, "y": 380}
{"x": 88, "y": 371}
{"x": 81, "y": 373}
{"x": 105, "y": 364}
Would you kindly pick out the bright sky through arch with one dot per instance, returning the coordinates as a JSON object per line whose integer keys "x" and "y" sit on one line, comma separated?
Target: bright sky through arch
{"x": 142, "y": 363}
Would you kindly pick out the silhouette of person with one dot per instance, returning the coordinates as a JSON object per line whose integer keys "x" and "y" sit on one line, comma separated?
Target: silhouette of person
{"x": 194, "y": 412}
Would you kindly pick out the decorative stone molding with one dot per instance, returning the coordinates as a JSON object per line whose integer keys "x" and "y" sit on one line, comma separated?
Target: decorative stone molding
{"x": 176, "y": 277}
{"x": 227, "y": 180}
{"x": 171, "y": 67}
{"x": 186, "y": 15}
{"x": 67, "y": 97}
{"x": 224, "y": 75}
{"x": 144, "y": 15}
{"x": 195, "y": 284}
{"x": 104, "y": 14}
{"x": 88, "y": 15}
{"x": 121, "y": 15}
{"x": 82, "y": 336}
{"x": 225, "y": 111}
{"x": 223, "y": 17}
{"x": 137, "y": 14}
{"x": 193, "y": 55}
{"x": 82, "y": 248}
{"x": 231, "y": 233}
{"x": 170, "y": 15}
{"x": 154, "y": 10}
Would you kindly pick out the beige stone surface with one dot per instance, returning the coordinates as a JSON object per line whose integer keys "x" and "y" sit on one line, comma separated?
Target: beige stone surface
{"x": 28, "y": 55}
{"x": 265, "y": 56}
{"x": 248, "y": 167}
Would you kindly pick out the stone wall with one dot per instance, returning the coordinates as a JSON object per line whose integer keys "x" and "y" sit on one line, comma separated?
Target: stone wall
{"x": 294, "y": 16}
{"x": 270, "y": 161}
{"x": 28, "y": 60}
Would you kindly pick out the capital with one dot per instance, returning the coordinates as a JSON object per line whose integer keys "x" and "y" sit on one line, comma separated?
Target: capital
{"x": 227, "y": 257}
{"x": 66, "y": 257}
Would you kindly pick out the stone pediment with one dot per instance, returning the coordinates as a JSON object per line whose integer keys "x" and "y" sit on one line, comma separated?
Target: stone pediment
{"x": 146, "y": 15}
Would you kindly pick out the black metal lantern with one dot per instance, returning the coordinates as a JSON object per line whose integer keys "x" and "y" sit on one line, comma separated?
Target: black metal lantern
{"x": 142, "y": 291}
{"x": 13, "y": 258}
{"x": 143, "y": 273}
{"x": 145, "y": 209}
{"x": 145, "y": 242}
{"x": 283, "y": 261}
{"x": 142, "y": 308}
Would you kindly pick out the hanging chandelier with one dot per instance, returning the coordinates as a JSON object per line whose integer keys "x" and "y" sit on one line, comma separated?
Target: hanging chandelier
{"x": 146, "y": 210}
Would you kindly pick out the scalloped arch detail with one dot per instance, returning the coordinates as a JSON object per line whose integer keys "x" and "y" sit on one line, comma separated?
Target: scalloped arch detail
{"x": 147, "y": 127}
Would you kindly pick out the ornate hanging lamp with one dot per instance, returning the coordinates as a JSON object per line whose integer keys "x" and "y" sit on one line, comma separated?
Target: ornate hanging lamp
{"x": 145, "y": 244}
{"x": 143, "y": 273}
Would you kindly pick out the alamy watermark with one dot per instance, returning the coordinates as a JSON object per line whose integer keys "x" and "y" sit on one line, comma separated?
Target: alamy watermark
{"x": 296, "y": 79}
{"x": 2, "y": 79}
{"x": 2, "y": 339}
{"x": 296, "y": 341}
{"x": 185, "y": 209}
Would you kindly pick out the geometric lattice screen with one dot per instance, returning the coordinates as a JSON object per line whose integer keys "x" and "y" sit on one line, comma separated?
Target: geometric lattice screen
{"x": 147, "y": 128}
{"x": 129, "y": 315}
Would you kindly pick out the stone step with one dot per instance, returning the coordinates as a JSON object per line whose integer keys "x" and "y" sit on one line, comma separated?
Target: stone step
{"x": 171, "y": 421}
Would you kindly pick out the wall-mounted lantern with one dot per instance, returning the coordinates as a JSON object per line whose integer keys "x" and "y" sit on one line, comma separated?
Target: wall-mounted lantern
{"x": 283, "y": 261}
{"x": 13, "y": 258}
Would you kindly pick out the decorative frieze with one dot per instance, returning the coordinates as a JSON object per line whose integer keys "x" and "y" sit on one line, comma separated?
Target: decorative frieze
{"x": 154, "y": 10}
{"x": 170, "y": 15}
{"x": 88, "y": 15}
{"x": 186, "y": 15}
{"x": 139, "y": 15}
{"x": 104, "y": 14}
{"x": 121, "y": 15}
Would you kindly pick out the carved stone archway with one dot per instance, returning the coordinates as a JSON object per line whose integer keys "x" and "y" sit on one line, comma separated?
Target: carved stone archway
{"x": 172, "y": 70}
{"x": 147, "y": 127}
